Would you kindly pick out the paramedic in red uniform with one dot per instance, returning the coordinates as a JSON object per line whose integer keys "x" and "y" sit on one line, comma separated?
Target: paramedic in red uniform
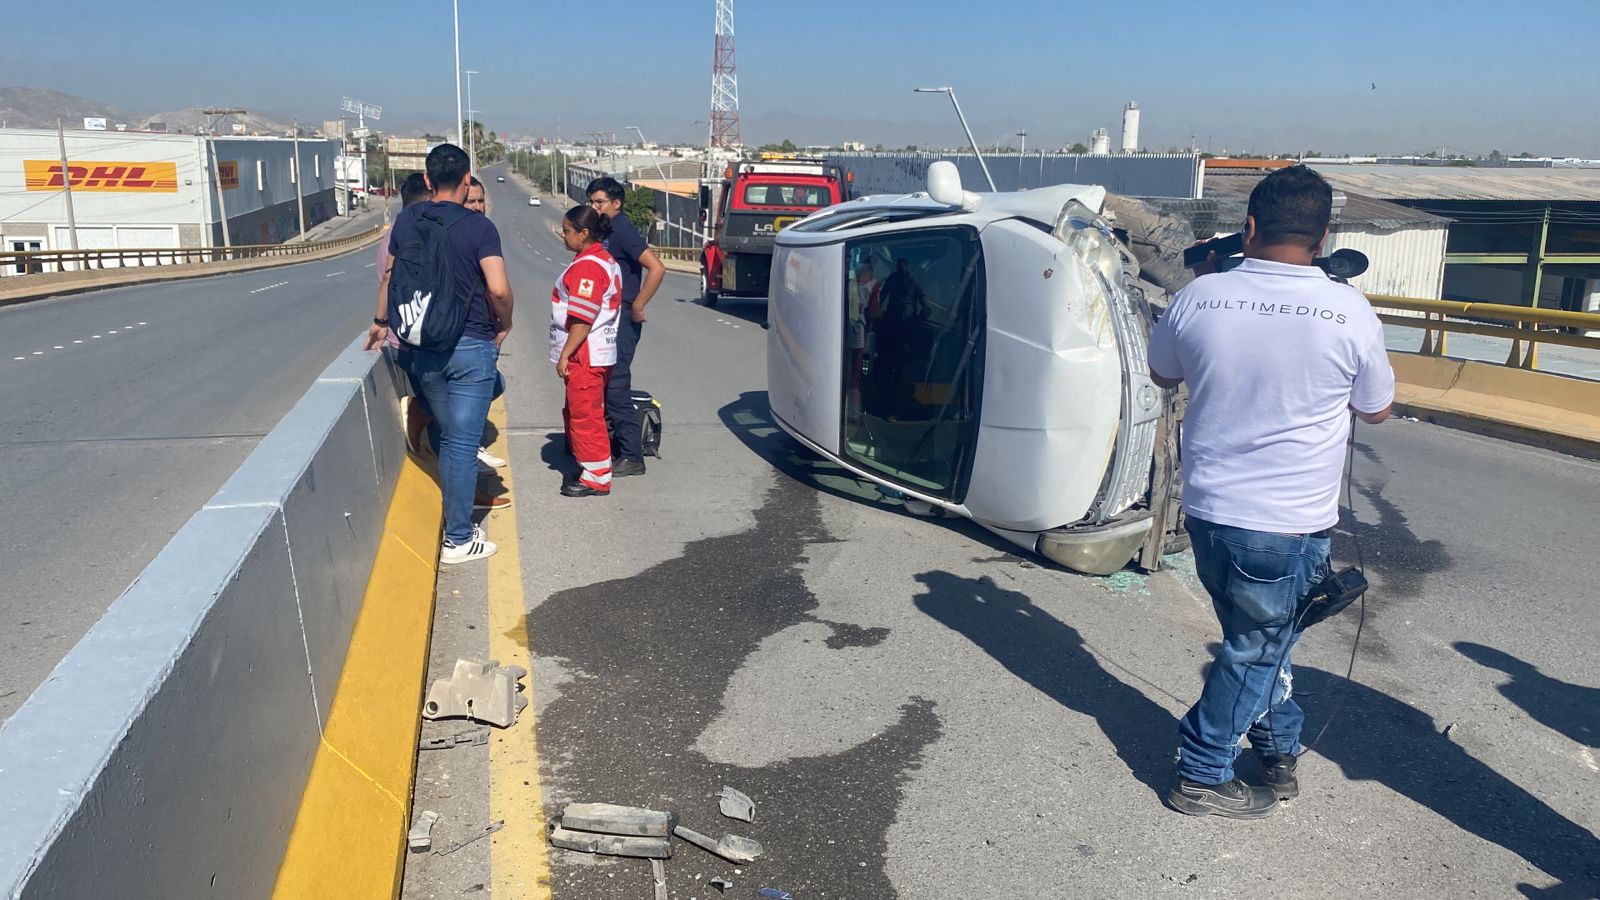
{"x": 585, "y": 307}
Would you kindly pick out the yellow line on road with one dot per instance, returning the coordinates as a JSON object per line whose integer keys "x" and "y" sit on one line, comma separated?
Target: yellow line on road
{"x": 518, "y": 859}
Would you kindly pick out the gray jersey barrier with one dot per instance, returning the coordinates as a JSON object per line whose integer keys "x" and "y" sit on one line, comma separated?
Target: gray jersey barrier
{"x": 166, "y": 754}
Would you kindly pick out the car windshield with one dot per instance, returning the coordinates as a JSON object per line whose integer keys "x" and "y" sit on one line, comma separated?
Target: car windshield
{"x": 803, "y": 196}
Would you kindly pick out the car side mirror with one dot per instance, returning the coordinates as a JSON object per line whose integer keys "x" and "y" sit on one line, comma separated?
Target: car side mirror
{"x": 944, "y": 187}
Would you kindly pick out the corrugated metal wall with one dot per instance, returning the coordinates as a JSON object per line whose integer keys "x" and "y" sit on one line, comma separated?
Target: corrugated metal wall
{"x": 1147, "y": 175}
{"x": 1407, "y": 262}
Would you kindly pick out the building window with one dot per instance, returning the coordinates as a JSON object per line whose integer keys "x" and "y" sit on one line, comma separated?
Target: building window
{"x": 316, "y": 165}
{"x": 261, "y": 175}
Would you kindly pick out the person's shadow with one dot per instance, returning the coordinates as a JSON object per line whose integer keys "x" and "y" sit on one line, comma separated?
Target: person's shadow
{"x": 1571, "y": 709}
{"x": 1050, "y": 655}
{"x": 1383, "y": 739}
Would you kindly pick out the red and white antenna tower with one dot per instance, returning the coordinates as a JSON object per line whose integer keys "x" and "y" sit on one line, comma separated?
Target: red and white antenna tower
{"x": 724, "y": 82}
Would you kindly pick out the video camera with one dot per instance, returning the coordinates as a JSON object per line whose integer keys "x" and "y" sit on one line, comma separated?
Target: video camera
{"x": 1341, "y": 265}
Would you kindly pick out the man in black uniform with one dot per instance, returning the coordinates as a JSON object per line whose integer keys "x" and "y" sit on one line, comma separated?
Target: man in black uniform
{"x": 642, "y": 272}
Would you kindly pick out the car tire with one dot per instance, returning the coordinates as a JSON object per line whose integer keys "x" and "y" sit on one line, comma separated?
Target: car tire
{"x": 709, "y": 296}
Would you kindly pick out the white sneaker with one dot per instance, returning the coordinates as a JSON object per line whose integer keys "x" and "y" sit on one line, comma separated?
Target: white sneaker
{"x": 489, "y": 459}
{"x": 480, "y": 547}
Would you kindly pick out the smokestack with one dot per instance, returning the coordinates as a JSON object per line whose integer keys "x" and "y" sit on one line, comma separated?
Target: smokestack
{"x": 1130, "y": 128}
{"x": 1099, "y": 142}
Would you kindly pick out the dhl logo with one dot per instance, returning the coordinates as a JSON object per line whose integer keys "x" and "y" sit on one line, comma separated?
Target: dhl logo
{"x": 127, "y": 177}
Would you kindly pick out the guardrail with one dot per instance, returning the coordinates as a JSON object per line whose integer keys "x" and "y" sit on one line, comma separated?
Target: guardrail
{"x": 685, "y": 254}
{"x": 1522, "y": 328}
{"x": 50, "y": 262}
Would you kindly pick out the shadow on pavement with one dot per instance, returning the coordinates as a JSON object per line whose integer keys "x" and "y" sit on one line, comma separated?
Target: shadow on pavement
{"x": 1392, "y": 548}
{"x": 1386, "y": 740}
{"x": 751, "y": 311}
{"x": 750, "y": 420}
{"x": 1571, "y": 709}
{"x": 1380, "y": 739}
{"x": 1050, "y": 655}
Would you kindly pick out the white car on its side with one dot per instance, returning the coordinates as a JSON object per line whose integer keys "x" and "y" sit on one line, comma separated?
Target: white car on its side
{"x": 982, "y": 355}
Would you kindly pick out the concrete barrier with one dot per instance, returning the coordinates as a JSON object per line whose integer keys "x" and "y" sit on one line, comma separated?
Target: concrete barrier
{"x": 1537, "y": 408}
{"x": 167, "y": 754}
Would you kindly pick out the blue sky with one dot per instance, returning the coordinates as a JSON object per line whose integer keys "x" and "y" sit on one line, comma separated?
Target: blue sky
{"x": 1468, "y": 75}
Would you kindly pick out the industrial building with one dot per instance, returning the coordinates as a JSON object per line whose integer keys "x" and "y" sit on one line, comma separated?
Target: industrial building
{"x": 1520, "y": 236}
{"x": 146, "y": 190}
{"x": 1405, "y": 246}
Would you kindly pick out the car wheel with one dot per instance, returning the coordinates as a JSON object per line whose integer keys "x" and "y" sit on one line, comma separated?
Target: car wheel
{"x": 707, "y": 294}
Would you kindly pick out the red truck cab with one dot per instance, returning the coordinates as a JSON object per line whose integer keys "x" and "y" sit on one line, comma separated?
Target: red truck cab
{"x": 746, "y": 210}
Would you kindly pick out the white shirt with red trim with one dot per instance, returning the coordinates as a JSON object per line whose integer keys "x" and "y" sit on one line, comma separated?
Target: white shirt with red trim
{"x": 589, "y": 291}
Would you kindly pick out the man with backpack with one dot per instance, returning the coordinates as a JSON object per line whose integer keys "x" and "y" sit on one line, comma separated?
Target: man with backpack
{"x": 449, "y": 303}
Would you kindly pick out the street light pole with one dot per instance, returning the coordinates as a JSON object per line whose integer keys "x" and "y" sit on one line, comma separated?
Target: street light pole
{"x": 299, "y": 182}
{"x": 970, "y": 139}
{"x": 472, "y": 125}
{"x": 666, "y": 190}
{"x": 455, "y": 7}
{"x": 1021, "y": 152}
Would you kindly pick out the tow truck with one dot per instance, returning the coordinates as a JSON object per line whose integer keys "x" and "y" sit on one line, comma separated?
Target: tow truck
{"x": 744, "y": 212}
{"x": 983, "y": 356}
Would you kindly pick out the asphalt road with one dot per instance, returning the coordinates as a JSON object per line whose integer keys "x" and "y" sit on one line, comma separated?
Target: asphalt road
{"x": 124, "y": 411}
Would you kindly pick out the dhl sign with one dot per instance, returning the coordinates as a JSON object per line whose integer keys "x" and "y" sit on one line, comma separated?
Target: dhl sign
{"x": 126, "y": 177}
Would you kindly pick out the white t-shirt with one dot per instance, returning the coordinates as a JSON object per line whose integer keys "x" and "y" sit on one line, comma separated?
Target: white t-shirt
{"x": 1274, "y": 355}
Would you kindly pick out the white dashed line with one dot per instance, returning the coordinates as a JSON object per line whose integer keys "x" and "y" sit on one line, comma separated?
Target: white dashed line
{"x": 59, "y": 347}
{"x": 38, "y": 353}
{"x": 78, "y": 341}
{"x": 269, "y": 287}
{"x": 369, "y": 265}
{"x": 95, "y": 336}
{"x": 19, "y": 357}
{"x": 112, "y": 331}
{"x": 332, "y": 274}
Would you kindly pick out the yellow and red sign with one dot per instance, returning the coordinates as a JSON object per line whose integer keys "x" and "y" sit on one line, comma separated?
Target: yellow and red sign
{"x": 125, "y": 177}
{"x": 228, "y": 174}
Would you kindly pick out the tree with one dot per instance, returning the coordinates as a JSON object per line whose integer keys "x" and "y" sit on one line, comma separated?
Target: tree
{"x": 1078, "y": 149}
{"x": 1496, "y": 155}
{"x": 787, "y": 146}
{"x": 639, "y": 205}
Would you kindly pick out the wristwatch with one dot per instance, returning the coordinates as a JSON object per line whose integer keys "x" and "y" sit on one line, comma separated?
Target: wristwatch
{"x": 378, "y": 321}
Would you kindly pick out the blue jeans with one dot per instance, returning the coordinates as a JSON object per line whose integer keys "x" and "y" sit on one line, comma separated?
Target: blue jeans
{"x": 458, "y": 387}
{"x": 1255, "y": 579}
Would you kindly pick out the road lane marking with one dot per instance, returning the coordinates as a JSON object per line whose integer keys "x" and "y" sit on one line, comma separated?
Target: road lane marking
{"x": 59, "y": 347}
{"x": 269, "y": 287}
{"x": 369, "y": 265}
{"x": 38, "y": 353}
{"x": 19, "y": 357}
{"x": 332, "y": 274}
{"x": 519, "y": 865}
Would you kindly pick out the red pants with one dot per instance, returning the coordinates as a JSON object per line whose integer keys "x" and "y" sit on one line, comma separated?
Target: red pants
{"x": 585, "y": 418}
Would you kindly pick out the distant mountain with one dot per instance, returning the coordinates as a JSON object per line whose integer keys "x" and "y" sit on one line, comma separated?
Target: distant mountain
{"x": 193, "y": 118}
{"x": 24, "y": 107}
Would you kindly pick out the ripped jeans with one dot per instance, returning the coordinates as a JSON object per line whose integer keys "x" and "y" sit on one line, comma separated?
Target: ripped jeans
{"x": 1255, "y": 579}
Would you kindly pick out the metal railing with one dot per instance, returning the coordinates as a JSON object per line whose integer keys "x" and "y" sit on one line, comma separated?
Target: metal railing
{"x": 686, "y": 254}
{"x": 50, "y": 262}
{"x": 1526, "y": 327}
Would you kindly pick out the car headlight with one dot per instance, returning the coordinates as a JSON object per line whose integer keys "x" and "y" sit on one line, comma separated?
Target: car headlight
{"x": 1090, "y": 238}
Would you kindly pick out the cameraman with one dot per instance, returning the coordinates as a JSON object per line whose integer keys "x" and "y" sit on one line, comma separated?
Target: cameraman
{"x": 1277, "y": 357}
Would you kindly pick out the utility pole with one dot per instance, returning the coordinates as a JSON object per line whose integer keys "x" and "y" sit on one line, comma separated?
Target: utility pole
{"x": 66, "y": 186}
{"x": 472, "y": 125}
{"x": 299, "y": 182}
{"x": 1023, "y": 151}
{"x": 455, "y": 6}
{"x": 666, "y": 189}
{"x": 216, "y": 172}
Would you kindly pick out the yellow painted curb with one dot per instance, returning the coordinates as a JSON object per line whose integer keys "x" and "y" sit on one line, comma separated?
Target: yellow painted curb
{"x": 518, "y": 857}
{"x": 349, "y": 837}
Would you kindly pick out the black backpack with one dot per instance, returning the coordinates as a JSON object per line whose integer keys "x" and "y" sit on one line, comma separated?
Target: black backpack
{"x": 647, "y": 416}
{"x": 424, "y": 311}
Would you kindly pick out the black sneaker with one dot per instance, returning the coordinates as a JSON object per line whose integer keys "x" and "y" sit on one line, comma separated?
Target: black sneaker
{"x": 628, "y": 467}
{"x": 575, "y": 488}
{"x": 1278, "y": 771}
{"x": 1233, "y": 799}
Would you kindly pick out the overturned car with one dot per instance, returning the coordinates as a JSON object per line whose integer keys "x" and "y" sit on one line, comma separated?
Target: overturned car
{"x": 982, "y": 355}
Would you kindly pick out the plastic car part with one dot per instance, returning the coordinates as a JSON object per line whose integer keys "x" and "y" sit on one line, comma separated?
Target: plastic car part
{"x": 486, "y": 692}
{"x": 611, "y": 844}
{"x": 609, "y": 818}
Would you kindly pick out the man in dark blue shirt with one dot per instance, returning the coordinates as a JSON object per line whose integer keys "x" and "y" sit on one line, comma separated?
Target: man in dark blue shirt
{"x": 458, "y": 382}
{"x": 642, "y": 272}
